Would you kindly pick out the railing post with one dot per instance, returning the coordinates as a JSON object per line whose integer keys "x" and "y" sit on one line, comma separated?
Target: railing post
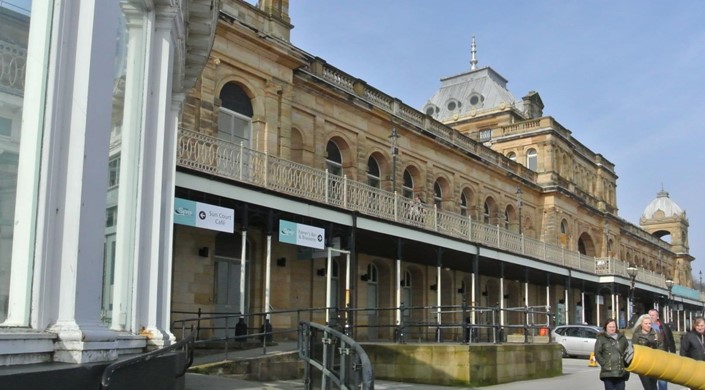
{"x": 435, "y": 217}
{"x": 498, "y": 233}
{"x": 266, "y": 170}
{"x": 469, "y": 227}
{"x": 394, "y": 199}
{"x": 345, "y": 191}
{"x": 327, "y": 186}
{"x": 242, "y": 158}
{"x": 523, "y": 251}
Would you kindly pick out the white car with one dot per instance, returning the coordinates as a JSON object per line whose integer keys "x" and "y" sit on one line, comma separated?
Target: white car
{"x": 576, "y": 340}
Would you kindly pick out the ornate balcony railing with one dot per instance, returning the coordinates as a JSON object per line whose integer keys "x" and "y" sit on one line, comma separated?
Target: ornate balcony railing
{"x": 13, "y": 61}
{"x": 211, "y": 155}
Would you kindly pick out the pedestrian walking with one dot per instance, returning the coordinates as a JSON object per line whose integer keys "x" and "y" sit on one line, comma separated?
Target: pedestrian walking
{"x": 610, "y": 349}
{"x": 693, "y": 342}
{"x": 666, "y": 334}
{"x": 645, "y": 335}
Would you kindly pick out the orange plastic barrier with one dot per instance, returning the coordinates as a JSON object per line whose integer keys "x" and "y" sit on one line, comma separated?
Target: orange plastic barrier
{"x": 543, "y": 332}
{"x": 668, "y": 366}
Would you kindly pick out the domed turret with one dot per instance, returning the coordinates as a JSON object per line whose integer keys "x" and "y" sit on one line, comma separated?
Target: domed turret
{"x": 662, "y": 207}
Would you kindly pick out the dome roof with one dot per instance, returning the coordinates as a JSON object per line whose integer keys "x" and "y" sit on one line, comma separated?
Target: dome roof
{"x": 664, "y": 204}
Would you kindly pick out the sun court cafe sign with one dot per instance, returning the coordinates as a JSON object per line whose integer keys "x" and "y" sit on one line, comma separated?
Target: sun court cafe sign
{"x": 203, "y": 215}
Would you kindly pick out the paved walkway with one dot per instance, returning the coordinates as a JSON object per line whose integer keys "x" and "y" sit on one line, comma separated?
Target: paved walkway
{"x": 576, "y": 376}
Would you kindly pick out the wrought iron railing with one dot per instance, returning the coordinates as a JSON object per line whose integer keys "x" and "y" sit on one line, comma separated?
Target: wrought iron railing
{"x": 342, "y": 362}
{"x": 211, "y": 155}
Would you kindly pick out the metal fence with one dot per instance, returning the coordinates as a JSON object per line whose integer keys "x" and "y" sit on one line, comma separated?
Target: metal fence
{"x": 340, "y": 360}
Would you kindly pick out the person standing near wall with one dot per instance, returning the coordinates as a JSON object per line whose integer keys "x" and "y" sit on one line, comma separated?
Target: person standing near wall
{"x": 610, "y": 348}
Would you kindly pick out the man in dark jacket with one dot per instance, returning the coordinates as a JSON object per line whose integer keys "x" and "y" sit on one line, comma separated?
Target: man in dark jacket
{"x": 665, "y": 333}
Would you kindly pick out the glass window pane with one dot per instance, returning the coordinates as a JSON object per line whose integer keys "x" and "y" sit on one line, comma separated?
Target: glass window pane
{"x": 14, "y": 36}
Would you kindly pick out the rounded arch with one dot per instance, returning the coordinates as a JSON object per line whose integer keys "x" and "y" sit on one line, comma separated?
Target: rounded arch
{"x": 466, "y": 201}
{"x": 511, "y": 218}
{"x": 249, "y": 89}
{"x": 532, "y": 159}
{"x": 441, "y": 189}
{"x": 338, "y": 154}
{"x": 374, "y": 172}
{"x": 297, "y": 145}
{"x": 489, "y": 210}
{"x": 564, "y": 233}
{"x": 411, "y": 176}
{"x": 512, "y": 156}
{"x": 586, "y": 245}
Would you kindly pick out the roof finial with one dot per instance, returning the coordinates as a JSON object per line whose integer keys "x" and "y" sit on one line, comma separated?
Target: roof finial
{"x": 473, "y": 51}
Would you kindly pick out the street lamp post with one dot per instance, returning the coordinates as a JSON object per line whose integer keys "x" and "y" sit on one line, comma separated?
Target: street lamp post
{"x": 519, "y": 204}
{"x": 632, "y": 272}
{"x": 669, "y": 286}
{"x": 395, "y": 151}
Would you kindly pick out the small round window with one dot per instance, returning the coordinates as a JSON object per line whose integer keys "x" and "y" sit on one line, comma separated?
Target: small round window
{"x": 476, "y": 99}
{"x": 429, "y": 111}
{"x": 451, "y": 106}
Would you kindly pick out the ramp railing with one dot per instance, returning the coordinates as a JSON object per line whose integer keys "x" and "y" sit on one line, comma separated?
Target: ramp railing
{"x": 341, "y": 361}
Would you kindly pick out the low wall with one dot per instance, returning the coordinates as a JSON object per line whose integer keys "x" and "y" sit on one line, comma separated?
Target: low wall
{"x": 473, "y": 364}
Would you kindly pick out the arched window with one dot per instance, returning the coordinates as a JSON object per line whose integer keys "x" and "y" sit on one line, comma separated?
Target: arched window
{"x": 437, "y": 194}
{"x": 408, "y": 188}
{"x": 506, "y": 218}
{"x": 486, "y": 213}
{"x": 235, "y": 115}
{"x": 532, "y": 159}
{"x": 463, "y": 205}
{"x": 512, "y": 156}
{"x": 373, "y": 172}
{"x": 334, "y": 160}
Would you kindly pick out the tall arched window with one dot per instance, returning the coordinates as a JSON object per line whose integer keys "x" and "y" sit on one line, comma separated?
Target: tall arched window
{"x": 532, "y": 159}
{"x": 373, "y": 172}
{"x": 506, "y": 218}
{"x": 437, "y": 195}
{"x": 486, "y": 213}
{"x": 235, "y": 115}
{"x": 408, "y": 188}
{"x": 334, "y": 160}
{"x": 463, "y": 205}
{"x": 512, "y": 156}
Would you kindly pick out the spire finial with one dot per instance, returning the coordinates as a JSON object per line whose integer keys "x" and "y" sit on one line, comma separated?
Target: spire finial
{"x": 473, "y": 51}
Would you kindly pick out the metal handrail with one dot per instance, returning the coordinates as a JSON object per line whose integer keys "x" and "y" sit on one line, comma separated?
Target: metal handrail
{"x": 354, "y": 370}
{"x": 186, "y": 343}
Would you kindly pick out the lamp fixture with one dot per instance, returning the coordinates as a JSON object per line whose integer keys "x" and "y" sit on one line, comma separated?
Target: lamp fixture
{"x": 434, "y": 287}
{"x": 281, "y": 262}
{"x": 321, "y": 272}
{"x": 365, "y": 277}
{"x": 203, "y": 251}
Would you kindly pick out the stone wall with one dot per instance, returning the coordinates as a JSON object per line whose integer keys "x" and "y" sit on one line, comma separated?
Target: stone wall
{"x": 466, "y": 365}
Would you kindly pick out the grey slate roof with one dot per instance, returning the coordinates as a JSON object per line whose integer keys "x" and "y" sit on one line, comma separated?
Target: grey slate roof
{"x": 479, "y": 90}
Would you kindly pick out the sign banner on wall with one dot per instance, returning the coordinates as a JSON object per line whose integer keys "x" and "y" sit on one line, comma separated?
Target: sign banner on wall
{"x": 203, "y": 215}
{"x": 304, "y": 235}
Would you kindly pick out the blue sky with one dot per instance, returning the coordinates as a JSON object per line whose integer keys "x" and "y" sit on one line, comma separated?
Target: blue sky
{"x": 626, "y": 77}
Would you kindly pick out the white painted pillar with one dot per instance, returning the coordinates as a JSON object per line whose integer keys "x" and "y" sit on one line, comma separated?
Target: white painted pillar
{"x": 268, "y": 278}
{"x": 398, "y": 289}
{"x": 71, "y": 221}
{"x": 129, "y": 202}
{"x": 438, "y": 295}
{"x": 166, "y": 232}
{"x": 149, "y": 274}
{"x": 582, "y": 307}
{"x": 473, "y": 298}
{"x": 27, "y": 251}
{"x": 329, "y": 283}
{"x": 501, "y": 301}
{"x": 243, "y": 272}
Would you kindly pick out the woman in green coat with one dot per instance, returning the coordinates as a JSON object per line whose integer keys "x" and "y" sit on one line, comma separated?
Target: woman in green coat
{"x": 610, "y": 348}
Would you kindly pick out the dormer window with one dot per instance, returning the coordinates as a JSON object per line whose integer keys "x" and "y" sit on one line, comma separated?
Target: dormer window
{"x": 431, "y": 110}
{"x": 453, "y": 105}
{"x": 476, "y": 99}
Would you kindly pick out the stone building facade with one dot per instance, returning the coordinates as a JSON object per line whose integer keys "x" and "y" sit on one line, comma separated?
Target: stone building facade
{"x": 476, "y": 158}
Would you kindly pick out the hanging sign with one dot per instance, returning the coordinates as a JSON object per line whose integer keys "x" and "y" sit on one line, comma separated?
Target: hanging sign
{"x": 303, "y": 235}
{"x": 203, "y": 215}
